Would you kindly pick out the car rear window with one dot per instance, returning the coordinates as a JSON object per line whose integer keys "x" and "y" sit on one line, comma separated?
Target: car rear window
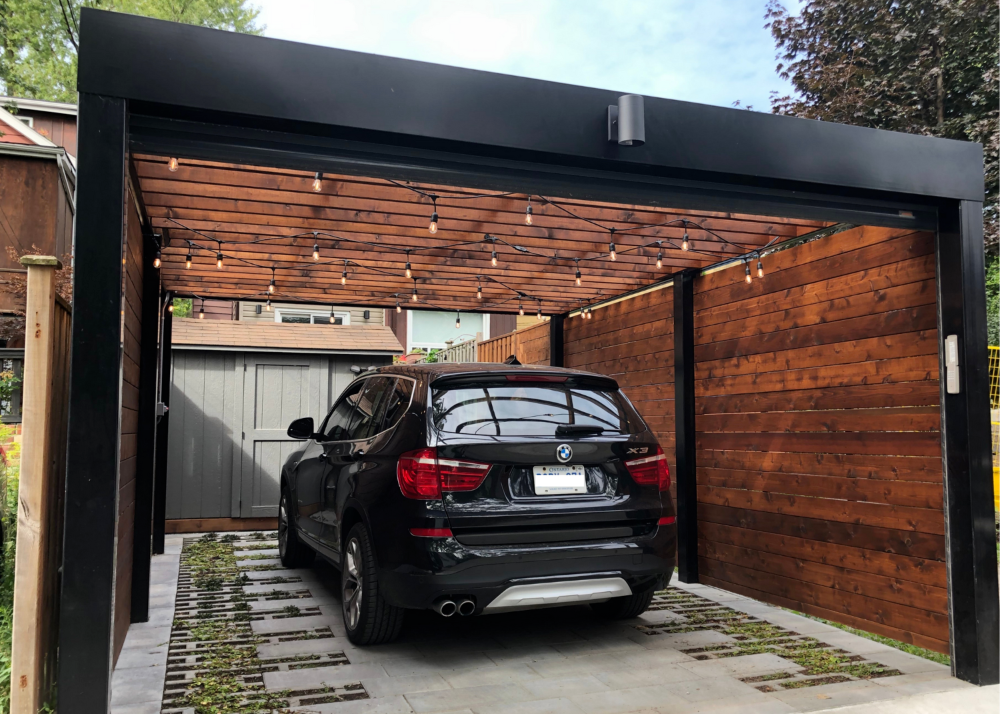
{"x": 504, "y": 409}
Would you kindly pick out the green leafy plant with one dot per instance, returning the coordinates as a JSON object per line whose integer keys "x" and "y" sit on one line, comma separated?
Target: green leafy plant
{"x": 8, "y": 514}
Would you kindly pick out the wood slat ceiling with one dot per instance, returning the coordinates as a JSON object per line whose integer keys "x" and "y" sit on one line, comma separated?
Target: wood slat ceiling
{"x": 256, "y": 211}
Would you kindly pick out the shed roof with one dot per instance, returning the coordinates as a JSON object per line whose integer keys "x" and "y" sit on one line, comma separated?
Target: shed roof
{"x": 273, "y": 337}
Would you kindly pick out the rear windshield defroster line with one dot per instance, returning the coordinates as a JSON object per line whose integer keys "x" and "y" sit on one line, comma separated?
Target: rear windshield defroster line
{"x": 524, "y": 409}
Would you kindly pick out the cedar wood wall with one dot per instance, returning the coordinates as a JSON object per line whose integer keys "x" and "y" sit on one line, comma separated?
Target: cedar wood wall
{"x": 819, "y": 458}
{"x": 131, "y": 324}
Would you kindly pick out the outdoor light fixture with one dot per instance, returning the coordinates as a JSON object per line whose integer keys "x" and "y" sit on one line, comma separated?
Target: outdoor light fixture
{"x": 201, "y": 311}
{"x": 760, "y": 268}
{"x": 270, "y": 287}
{"x": 170, "y": 306}
{"x": 315, "y": 251}
{"x": 520, "y": 308}
{"x": 433, "y": 227}
{"x": 172, "y": 165}
{"x": 527, "y": 213}
{"x": 589, "y": 314}
{"x": 398, "y": 308}
{"x": 318, "y": 182}
{"x": 479, "y": 291}
{"x": 156, "y": 260}
{"x": 611, "y": 247}
{"x": 333, "y": 318}
{"x": 494, "y": 258}
{"x": 409, "y": 273}
{"x": 746, "y": 264}
{"x": 187, "y": 261}
{"x": 458, "y": 321}
{"x": 539, "y": 313}
{"x": 218, "y": 260}
{"x": 579, "y": 280}
{"x": 685, "y": 244}
{"x": 659, "y": 257}
{"x": 627, "y": 121}
{"x": 343, "y": 276}
{"x": 267, "y": 306}
{"x": 414, "y": 297}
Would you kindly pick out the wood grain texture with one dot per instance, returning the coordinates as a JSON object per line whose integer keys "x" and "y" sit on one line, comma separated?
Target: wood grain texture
{"x": 818, "y": 433}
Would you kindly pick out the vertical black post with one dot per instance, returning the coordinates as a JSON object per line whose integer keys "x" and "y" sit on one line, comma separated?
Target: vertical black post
{"x": 86, "y": 630}
{"x": 966, "y": 451}
{"x": 556, "y": 358}
{"x": 160, "y": 482}
{"x": 146, "y": 436}
{"x": 685, "y": 475}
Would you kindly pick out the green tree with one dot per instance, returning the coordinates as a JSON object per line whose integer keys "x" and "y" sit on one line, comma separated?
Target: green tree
{"x": 39, "y": 39}
{"x": 921, "y": 66}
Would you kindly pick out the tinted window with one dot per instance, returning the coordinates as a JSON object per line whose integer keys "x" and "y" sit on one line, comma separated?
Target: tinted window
{"x": 337, "y": 424}
{"x": 525, "y": 410}
{"x": 367, "y": 407}
{"x": 396, "y": 403}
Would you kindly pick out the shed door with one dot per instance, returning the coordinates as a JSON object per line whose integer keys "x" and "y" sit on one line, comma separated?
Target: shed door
{"x": 276, "y": 390}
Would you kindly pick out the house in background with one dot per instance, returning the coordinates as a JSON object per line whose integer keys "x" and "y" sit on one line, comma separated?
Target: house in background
{"x": 426, "y": 330}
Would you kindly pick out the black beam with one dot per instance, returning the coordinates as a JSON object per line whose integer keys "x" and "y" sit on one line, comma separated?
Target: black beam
{"x": 269, "y": 83}
{"x": 162, "y": 433}
{"x": 146, "y": 436}
{"x": 86, "y": 630}
{"x": 965, "y": 441}
{"x": 685, "y": 473}
{"x": 556, "y": 337}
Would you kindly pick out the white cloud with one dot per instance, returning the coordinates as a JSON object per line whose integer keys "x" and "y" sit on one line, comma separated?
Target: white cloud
{"x": 712, "y": 51}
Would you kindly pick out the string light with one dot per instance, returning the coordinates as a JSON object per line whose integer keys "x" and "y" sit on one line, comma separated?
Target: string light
{"x": 479, "y": 291}
{"x": 527, "y": 213}
{"x": 588, "y": 313}
{"x": 315, "y": 251}
{"x": 343, "y": 276}
{"x": 611, "y": 248}
{"x": 494, "y": 258}
{"x": 270, "y": 287}
{"x": 267, "y": 305}
{"x": 659, "y": 258}
{"x": 520, "y": 308}
{"x": 746, "y": 264}
{"x": 333, "y": 318}
{"x": 414, "y": 297}
{"x": 409, "y": 273}
{"x": 458, "y": 321}
{"x": 172, "y": 165}
{"x": 187, "y": 261}
{"x": 170, "y": 306}
{"x": 156, "y": 260}
{"x": 218, "y": 260}
{"x": 318, "y": 182}
{"x": 398, "y": 308}
{"x": 685, "y": 243}
{"x": 201, "y": 312}
{"x": 539, "y": 313}
{"x": 433, "y": 228}
{"x": 579, "y": 277}
{"x": 760, "y": 268}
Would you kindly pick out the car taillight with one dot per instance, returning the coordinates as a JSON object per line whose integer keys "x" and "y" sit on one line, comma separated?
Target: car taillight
{"x": 422, "y": 475}
{"x": 650, "y": 470}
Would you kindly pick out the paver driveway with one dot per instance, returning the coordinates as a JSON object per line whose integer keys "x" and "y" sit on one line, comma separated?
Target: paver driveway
{"x": 244, "y": 634}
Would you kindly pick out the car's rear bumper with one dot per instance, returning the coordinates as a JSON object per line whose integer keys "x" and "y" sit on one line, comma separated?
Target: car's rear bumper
{"x": 483, "y": 573}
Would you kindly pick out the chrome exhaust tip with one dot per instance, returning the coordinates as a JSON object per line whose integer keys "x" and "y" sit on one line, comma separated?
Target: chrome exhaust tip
{"x": 446, "y": 608}
{"x": 466, "y": 607}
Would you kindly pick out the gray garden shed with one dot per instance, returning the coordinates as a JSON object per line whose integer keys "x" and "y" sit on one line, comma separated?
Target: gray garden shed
{"x": 235, "y": 386}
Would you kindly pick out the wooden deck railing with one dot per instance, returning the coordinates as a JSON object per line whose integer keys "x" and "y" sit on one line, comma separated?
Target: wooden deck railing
{"x": 530, "y": 346}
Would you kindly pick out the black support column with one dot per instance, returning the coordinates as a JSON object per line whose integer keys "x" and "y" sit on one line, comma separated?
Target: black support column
{"x": 86, "y": 630}
{"x": 146, "y": 437}
{"x": 556, "y": 357}
{"x": 685, "y": 474}
{"x": 162, "y": 430}
{"x": 965, "y": 442}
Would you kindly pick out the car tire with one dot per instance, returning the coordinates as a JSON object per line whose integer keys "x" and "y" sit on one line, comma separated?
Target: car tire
{"x": 623, "y": 608}
{"x": 292, "y": 551}
{"x": 368, "y": 618}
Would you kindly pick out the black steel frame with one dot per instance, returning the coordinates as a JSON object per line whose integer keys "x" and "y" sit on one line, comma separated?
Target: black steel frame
{"x": 685, "y": 475}
{"x": 190, "y": 92}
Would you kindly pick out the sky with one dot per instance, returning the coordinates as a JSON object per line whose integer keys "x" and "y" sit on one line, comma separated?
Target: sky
{"x": 707, "y": 51}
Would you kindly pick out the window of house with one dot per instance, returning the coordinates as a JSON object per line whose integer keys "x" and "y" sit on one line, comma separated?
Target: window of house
{"x": 311, "y": 317}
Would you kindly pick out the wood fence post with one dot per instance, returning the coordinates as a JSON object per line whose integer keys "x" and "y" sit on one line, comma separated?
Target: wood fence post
{"x": 28, "y": 655}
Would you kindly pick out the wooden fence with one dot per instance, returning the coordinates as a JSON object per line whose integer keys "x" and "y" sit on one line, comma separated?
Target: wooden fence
{"x": 818, "y": 434}
{"x": 530, "y": 346}
{"x": 40, "y": 496}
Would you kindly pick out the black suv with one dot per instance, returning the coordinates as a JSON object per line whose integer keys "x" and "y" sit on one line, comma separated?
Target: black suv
{"x": 479, "y": 488}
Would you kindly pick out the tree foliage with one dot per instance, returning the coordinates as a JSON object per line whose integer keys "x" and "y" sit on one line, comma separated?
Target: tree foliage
{"x": 39, "y": 39}
{"x": 917, "y": 66}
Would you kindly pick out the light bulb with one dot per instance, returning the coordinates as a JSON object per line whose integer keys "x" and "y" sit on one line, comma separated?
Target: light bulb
{"x": 685, "y": 243}
{"x": 267, "y": 305}
{"x": 187, "y": 261}
{"x": 520, "y": 309}
{"x": 659, "y": 259}
{"x": 613, "y": 254}
{"x": 590, "y": 314}
{"x": 433, "y": 227}
{"x": 270, "y": 288}
{"x": 170, "y": 307}
{"x": 398, "y": 308}
{"x": 156, "y": 260}
{"x": 201, "y": 313}
{"x": 413, "y": 298}
{"x": 409, "y": 273}
{"x": 747, "y": 266}
{"x": 317, "y": 182}
{"x": 494, "y": 259}
{"x": 343, "y": 277}
{"x": 458, "y": 321}
{"x": 218, "y": 261}
{"x": 333, "y": 319}
{"x": 527, "y": 215}
{"x": 760, "y": 269}
{"x": 479, "y": 292}
{"x": 172, "y": 165}
{"x": 579, "y": 277}
{"x": 539, "y": 314}
{"x": 315, "y": 251}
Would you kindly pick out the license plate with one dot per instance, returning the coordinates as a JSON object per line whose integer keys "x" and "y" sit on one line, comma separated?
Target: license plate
{"x": 559, "y": 480}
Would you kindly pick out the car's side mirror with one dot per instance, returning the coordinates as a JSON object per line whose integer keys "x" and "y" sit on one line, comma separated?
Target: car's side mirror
{"x": 301, "y": 428}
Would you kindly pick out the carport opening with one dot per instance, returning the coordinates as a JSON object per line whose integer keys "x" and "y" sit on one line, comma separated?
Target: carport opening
{"x": 816, "y": 481}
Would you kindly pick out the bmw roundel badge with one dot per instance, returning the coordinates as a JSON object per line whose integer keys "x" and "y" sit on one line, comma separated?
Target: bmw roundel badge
{"x": 564, "y": 453}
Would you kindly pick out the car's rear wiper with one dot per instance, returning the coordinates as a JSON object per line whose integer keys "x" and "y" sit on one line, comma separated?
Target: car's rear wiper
{"x": 578, "y": 429}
